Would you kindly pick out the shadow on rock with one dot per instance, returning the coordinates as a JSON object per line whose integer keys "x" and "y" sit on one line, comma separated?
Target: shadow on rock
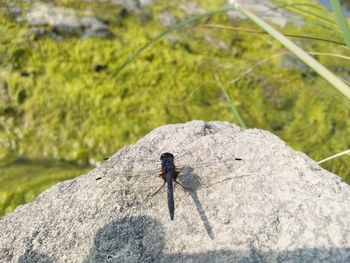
{"x": 141, "y": 239}
{"x": 31, "y": 256}
{"x": 135, "y": 239}
{"x": 192, "y": 180}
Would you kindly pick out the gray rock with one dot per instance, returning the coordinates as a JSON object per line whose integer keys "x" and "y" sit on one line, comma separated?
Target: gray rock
{"x": 292, "y": 63}
{"x": 167, "y": 19}
{"x": 191, "y": 8}
{"x": 133, "y": 6}
{"x": 47, "y": 19}
{"x": 14, "y": 10}
{"x": 268, "y": 11}
{"x": 276, "y": 205}
{"x": 217, "y": 42}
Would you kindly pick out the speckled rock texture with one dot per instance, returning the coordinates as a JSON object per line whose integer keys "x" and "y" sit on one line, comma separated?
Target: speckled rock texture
{"x": 47, "y": 19}
{"x": 276, "y": 205}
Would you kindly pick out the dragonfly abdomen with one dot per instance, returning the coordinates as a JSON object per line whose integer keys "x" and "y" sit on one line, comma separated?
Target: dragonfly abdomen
{"x": 170, "y": 194}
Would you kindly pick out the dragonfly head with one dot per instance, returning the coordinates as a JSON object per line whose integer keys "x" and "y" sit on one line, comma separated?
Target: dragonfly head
{"x": 166, "y": 156}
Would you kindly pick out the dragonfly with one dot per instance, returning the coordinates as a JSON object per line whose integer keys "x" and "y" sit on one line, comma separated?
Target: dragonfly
{"x": 169, "y": 173}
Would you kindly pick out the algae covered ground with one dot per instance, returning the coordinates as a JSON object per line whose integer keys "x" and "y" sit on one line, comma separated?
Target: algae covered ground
{"x": 63, "y": 102}
{"x": 23, "y": 180}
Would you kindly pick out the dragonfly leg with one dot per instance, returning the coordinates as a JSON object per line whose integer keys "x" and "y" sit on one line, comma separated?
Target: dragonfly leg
{"x": 187, "y": 188}
{"x": 156, "y": 192}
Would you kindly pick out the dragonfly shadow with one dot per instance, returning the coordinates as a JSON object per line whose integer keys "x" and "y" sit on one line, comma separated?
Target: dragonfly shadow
{"x": 34, "y": 256}
{"x": 192, "y": 180}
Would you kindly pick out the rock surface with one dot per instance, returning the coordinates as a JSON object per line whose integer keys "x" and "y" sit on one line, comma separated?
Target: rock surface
{"x": 276, "y": 205}
{"x": 266, "y": 9}
{"x": 47, "y": 19}
{"x": 54, "y": 21}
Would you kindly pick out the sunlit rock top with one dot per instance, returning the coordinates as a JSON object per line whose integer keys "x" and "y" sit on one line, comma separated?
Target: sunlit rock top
{"x": 275, "y": 205}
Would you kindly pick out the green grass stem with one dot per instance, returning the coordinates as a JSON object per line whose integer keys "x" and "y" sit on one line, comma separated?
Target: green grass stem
{"x": 170, "y": 30}
{"x": 249, "y": 30}
{"x": 347, "y": 152}
{"x": 230, "y": 102}
{"x": 310, "y": 13}
{"x": 341, "y": 21}
{"x": 300, "y": 53}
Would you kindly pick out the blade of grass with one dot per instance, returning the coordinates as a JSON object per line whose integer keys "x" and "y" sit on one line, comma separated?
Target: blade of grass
{"x": 265, "y": 60}
{"x": 296, "y": 6}
{"x": 334, "y": 156}
{"x": 230, "y": 102}
{"x": 284, "y": 5}
{"x": 248, "y": 30}
{"x": 170, "y": 30}
{"x": 329, "y": 55}
{"x": 341, "y": 21}
{"x": 257, "y": 64}
{"x": 300, "y": 53}
{"x": 318, "y": 16}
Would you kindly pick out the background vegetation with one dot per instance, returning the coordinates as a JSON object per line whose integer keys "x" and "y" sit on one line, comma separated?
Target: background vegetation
{"x": 63, "y": 116}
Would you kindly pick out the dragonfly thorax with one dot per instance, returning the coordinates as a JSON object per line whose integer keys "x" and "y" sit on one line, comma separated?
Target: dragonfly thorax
{"x": 168, "y": 165}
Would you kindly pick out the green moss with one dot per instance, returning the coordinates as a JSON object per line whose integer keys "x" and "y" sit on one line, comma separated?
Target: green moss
{"x": 22, "y": 181}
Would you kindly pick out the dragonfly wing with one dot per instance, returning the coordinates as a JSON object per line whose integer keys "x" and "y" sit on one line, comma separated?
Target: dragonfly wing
{"x": 109, "y": 173}
{"x": 142, "y": 182}
{"x": 218, "y": 163}
{"x": 199, "y": 173}
{"x": 128, "y": 166}
{"x": 146, "y": 179}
